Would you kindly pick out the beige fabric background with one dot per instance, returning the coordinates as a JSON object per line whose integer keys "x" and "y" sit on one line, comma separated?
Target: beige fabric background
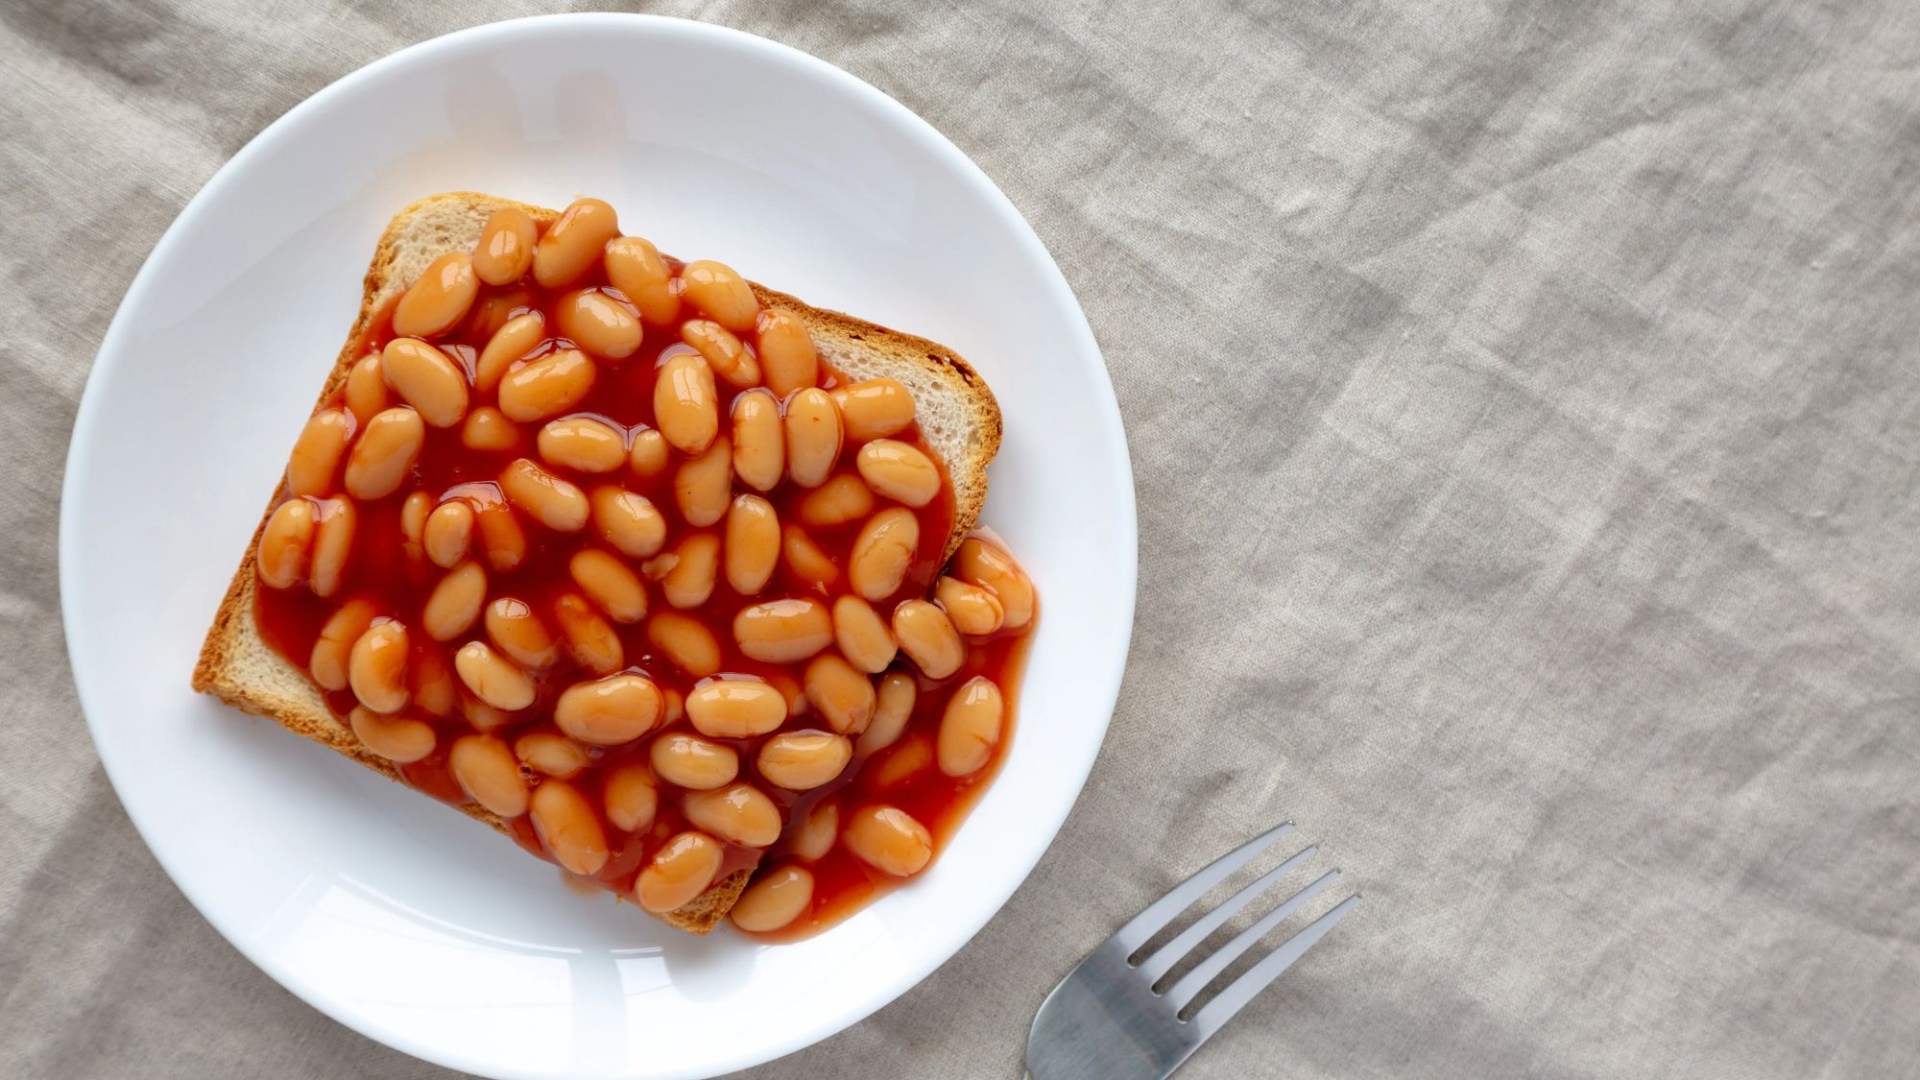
{"x": 1525, "y": 399}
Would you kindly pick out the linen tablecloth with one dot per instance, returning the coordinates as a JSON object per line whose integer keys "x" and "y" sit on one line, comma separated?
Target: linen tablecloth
{"x": 1525, "y": 403}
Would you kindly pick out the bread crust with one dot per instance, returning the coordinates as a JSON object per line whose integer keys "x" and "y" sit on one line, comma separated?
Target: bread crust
{"x": 237, "y": 666}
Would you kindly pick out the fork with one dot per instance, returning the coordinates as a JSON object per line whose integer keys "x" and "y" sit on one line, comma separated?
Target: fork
{"x": 1105, "y": 1021}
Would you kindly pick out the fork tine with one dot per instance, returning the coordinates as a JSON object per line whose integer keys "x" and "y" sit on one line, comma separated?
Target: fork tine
{"x": 1181, "y": 896}
{"x": 1166, "y": 956}
{"x": 1257, "y": 978}
{"x": 1182, "y": 993}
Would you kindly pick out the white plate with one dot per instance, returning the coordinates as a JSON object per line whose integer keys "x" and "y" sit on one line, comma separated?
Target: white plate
{"x": 400, "y": 917}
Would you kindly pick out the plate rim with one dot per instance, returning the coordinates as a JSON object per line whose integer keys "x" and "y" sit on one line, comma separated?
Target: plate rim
{"x": 84, "y": 436}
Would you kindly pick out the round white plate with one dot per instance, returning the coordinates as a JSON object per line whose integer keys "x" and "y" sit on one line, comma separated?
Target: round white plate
{"x": 400, "y": 917}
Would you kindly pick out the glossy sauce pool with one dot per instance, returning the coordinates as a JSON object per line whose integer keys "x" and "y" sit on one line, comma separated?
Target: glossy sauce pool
{"x": 379, "y": 569}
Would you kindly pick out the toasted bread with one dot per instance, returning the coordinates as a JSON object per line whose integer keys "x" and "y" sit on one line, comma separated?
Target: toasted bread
{"x": 957, "y": 414}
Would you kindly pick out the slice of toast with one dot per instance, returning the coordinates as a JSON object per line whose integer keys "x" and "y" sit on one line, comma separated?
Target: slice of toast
{"x": 957, "y": 414}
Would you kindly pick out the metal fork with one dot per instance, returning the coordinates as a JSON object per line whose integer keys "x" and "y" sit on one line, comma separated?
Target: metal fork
{"x": 1105, "y": 1021}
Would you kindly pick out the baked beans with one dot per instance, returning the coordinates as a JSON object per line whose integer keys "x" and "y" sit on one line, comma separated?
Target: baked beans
{"x": 447, "y": 534}
{"x": 693, "y": 762}
{"x": 792, "y": 691}
{"x": 632, "y": 799}
{"x": 366, "y": 392}
{"x": 689, "y": 571}
{"x": 975, "y": 611}
{"x": 804, "y": 559}
{"x": 774, "y": 900}
{"x": 516, "y": 338}
{"x": 908, "y": 760}
{"x": 862, "y": 635}
{"x": 685, "y": 404}
{"x": 685, "y": 642}
{"x": 899, "y": 472}
{"x": 483, "y": 716}
{"x": 574, "y": 243}
{"x": 882, "y": 553}
{"x": 888, "y": 839}
{"x": 547, "y": 387}
{"x": 804, "y": 760}
{"x": 783, "y": 631}
{"x": 334, "y": 522}
{"x": 396, "y": 738}
{"x": 815, "y": 836}
{"x": 317, "y": 454}
{"x": 488, "y": 431}
{"x": 636, "y": 268}
{"x": 647, "y": 457}
{"x": 426, "y": 379}
{"x": 703, "y": 485}
{"x": 759, "y": 441}
{"x": 493, "y": 312}
{"x": 505, "y": 251}
{"x": 433, "y": 687}
{"x": 980, "y": 563}
{"x": 454, "y": 605}
{"x": 610, "y": 584}
{"x": 611, "y": 711}
{"x": 970, "y": 727}
{"x": 385, "y": 453}
{"x": 440, "y": 299}
{"x": 516, "y": 631}
{"x": 838, "y": 501}
{"x": 738, "y": 813}
{"x": 582, "y": 444}
{"x": 682, "y": 869}
{"x": 720, "y": 294}
{"x": 567, "y": 826}
{"x": 286, "y": 543}
{"x": 730, "y": 360}
{"x": 813, "y": 437}
{"x": 629, "y": 522}
{"x": 591, "y": 640}
{"x": 328, "y": 664}
{"x": 493, "y": 678}
{"x": 928, "y": 638}
{"x": 501, "y": 536}
{"x": 752, "y": 544}
{"x": 377, "y": 667}
{"x": 874, "y": 409}
{"x": 558, "y": 504}
{"x": 893, "y": 707}
{"x": 841, "y": 692}
{"x": 786, "y": 352}
{"x": 486, "y": 769}
{"x": 740, "y": 708}
{"x": 554, "y": 755}
{"x": 599, "y": 323}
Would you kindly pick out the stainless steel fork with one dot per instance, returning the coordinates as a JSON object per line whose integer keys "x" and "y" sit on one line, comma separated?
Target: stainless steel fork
{"x": 1105, "y": 1021}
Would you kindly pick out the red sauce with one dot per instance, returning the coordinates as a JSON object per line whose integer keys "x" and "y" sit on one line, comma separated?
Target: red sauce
{"x": 381, "y": 570}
